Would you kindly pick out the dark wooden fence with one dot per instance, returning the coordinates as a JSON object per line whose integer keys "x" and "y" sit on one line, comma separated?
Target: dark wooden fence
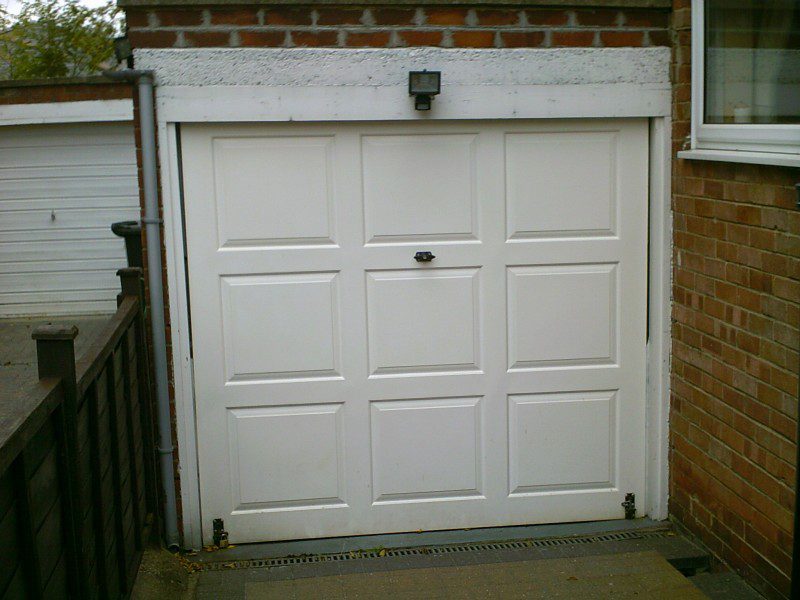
{"x": 77, "y": 471}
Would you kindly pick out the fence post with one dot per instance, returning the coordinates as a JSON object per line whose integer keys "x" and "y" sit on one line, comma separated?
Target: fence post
{"x": 55, "y": 353}
{"x": 132, "y": 284}
{"x": 130, "y": 279}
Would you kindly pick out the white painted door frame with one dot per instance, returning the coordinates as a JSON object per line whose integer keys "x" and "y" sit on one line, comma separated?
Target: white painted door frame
{"x": 645, "y": 94}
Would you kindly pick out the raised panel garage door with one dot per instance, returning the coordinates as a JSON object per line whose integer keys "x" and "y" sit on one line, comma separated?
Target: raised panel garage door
{"x": 344, "y": 387}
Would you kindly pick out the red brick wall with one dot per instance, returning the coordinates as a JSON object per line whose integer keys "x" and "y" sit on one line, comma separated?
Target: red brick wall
{"x": 500, "y": 27}
{"x": 736, "y": 287}
{"x": 68, "y": 91}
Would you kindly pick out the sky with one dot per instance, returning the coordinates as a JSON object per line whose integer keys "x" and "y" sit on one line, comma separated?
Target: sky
{"x": 13, "y": 6}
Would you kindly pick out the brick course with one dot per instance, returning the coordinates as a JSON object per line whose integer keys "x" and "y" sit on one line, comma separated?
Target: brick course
{"x": 389, "y": 26}
{"x": 67, "y": 90}
{"x": 736, "y": 289}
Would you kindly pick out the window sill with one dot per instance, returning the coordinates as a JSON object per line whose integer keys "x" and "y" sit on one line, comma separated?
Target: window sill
{"x": 756, "y": 158}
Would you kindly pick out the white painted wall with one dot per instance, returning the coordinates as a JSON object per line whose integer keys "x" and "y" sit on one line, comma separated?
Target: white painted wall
{"x": 382, "y": 67}
{"x": 61, "y": 187}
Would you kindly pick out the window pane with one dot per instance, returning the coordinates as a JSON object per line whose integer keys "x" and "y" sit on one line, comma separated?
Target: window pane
{"x": 752, "y": 61}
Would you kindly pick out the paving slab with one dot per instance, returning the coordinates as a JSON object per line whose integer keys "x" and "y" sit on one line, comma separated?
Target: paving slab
{"x": 18, "y": 369}
{"x": 221, "y": 573}
{"x": 727, "y": 585}
{"x": 619, "y": 577}
{"x": 382, "y": 573}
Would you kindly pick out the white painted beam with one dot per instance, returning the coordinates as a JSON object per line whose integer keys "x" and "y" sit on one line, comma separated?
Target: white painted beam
{"x": 85, "y": 111}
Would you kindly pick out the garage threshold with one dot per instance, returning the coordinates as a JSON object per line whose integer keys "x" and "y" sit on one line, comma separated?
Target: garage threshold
{"x": 327, "y": 549}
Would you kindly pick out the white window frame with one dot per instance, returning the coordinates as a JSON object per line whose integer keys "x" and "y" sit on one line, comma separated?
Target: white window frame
{"x": 762, "y": 144}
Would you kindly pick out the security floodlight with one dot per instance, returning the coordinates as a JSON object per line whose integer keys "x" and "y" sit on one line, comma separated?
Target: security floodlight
{"x": 424, "y": 85}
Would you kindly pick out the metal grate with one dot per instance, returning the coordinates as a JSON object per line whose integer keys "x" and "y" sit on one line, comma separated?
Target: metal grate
{"x": 430, "y": 550}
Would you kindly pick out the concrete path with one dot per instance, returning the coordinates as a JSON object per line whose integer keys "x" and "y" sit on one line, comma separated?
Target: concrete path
{"x": 619, "y": 577}
{"x": 643, "y": 566}
{"x": 18, "y": 350}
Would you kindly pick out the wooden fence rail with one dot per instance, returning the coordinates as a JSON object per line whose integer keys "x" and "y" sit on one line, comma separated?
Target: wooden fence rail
{"x": 77, "y": 469}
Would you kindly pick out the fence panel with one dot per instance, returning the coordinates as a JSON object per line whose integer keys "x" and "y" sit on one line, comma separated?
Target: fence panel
{"x": 77, "y": 472}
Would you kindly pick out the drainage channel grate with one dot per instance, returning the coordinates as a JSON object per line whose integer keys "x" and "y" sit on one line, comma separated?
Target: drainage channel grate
{"x": 431, "y": 550}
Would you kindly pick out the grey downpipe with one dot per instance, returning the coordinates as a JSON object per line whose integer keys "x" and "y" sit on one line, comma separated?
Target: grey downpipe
{"x": 795, "y": 577}
{"x": 152, "y": 222}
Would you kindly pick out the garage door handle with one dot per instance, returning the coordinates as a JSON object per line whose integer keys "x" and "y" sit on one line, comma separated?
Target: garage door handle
{"x": 424, "y": 257}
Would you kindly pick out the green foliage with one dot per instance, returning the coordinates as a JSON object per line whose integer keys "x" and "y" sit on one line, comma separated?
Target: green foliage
{"x": 57, "y": 38}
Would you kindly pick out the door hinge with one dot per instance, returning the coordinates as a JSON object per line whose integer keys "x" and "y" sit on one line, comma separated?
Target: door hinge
{"x": 220, "y": 535}
{"x": 630, "y": 505}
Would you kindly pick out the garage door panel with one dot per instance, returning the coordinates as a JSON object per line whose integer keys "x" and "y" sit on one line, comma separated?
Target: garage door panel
{"x": 61, "y": 188}
{"x": 59, "y": 204}
{"x": 561, "y": 315}
{"x": 40, "y": 302}
{"x": 411, "y": 175}
{"x": 440, "y": 426}
{"x": 279, "y": 443}
{"x": 480, "y": 389}
{"x": 293, "y": 201}
{"x": 388, "y": 257}
{"x": 67, "y": 136}
{"x": 553, "y": 379}
{"x": 19, "y": 175}
{"x": 427, "y": 385}
{"x": 16, "y": 220}
{"x": 281, "y": 326}
{"x": 61, "y": 235}
{"x": 94, "y": 155}
{"x": 242, "y": 263}
{"x": 25, "y": 284}
{"x": 423, "y": 320}
{"x": 459, "y": 513}
{"x": 72, "y": 187}
{"x": 561, "y": 184}
{"x": 554, "y": 251}
{"x": 285, "y": 392}
{"x": 542, "y": 459}
{"x": 34, "y": 251}
{"x": 23, "y": 268}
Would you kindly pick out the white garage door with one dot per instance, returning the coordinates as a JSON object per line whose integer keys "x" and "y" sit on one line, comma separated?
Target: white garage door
{"x": 61, "y": 187}
{"x": 343, "y": 387}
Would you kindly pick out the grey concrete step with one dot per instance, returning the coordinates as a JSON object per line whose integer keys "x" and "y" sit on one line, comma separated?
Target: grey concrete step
{"x": 388, "y": 552}
{"x": 426, "y": 538}
{"x": 724, "y": 586}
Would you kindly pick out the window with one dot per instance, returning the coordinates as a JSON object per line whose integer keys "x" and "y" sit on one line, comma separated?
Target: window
{"x": 746, "y": 80}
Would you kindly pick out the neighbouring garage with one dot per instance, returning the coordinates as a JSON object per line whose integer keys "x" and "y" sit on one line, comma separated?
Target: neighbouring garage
{"x": 61, "y": 187}
{"x": 418, "y": 325}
